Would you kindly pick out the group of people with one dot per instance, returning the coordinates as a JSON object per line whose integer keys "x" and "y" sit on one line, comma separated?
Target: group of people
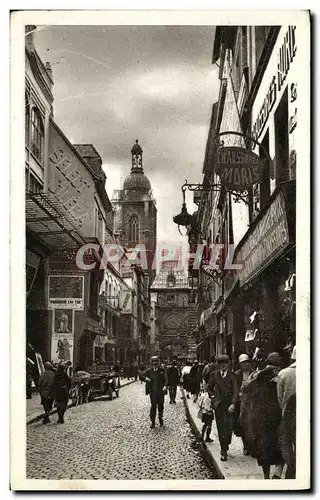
{"x": 256, "y": 403}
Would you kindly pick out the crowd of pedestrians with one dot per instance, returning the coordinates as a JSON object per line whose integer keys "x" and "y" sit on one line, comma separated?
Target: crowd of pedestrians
{"x": 257, "y": 403}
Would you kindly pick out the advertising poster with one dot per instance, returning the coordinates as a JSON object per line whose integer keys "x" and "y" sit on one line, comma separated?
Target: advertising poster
{"x": 65, "y": 292}
{"x": 62, "y": 335}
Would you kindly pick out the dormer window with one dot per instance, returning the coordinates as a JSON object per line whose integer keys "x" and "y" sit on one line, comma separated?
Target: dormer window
{"x": 171, "y": 281}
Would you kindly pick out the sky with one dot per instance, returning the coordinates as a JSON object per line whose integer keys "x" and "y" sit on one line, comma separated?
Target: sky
{"x": 116, "y": 84}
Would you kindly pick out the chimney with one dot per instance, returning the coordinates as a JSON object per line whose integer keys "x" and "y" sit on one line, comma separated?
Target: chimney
{"x": 29, "y": 37}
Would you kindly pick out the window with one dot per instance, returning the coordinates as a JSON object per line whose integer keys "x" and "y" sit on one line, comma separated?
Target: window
{"x": 134, "y": 229}
{"x": 282, "y": 140}
{"x": 37, "y": 134}
{"x": 27, "y": 123}
{"x": 261, "y": 35}
{"x": 32, "y": 184}
{"x": 171, "y": 281}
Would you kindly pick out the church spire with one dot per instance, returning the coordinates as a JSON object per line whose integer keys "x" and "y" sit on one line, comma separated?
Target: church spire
{"x": 136, "y": 152}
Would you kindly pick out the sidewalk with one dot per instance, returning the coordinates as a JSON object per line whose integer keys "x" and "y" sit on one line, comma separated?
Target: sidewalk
{"x": 34, "y": 410}
{"x": 238, "y": 466}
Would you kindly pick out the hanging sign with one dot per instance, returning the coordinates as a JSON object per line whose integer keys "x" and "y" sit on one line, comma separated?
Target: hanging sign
{"x": 239, "y": 168}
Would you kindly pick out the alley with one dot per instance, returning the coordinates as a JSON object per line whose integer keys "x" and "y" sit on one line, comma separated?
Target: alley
{"x": 113, "y": 440}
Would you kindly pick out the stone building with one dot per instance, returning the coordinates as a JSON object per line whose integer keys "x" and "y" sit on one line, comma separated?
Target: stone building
{"x": 174, "y": 312}
{"x": 252, "y": 309}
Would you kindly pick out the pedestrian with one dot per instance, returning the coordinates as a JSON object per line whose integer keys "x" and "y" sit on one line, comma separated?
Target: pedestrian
{"x": 135, "y": 370}
{"x": 195, "y": 380}
{"x": 260, "y": 416}
{"x": 29, "y": 379}
{"x": 223, "y": 385}
{"x": 286, "y": 389}
{"x": 242, "y": 375}
{"x": 45, "y": 390}
{"x": 206, "y": 414}
{"x": 173, "y": 380}
{"x": 208, "y": 369}
{"x": 156, "y": 382}
{"x": 185, "y": 377}
{"x": 60, "y": 389}
{"x": 141, "y": 371}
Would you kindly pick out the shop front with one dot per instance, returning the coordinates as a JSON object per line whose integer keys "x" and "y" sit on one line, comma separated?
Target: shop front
{"x": 267, "y": 277}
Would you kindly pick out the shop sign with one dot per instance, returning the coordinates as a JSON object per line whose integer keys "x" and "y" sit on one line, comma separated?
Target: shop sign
{"x": 286, "y": 55}
{"x": 239, "y": 168}
{"x": 66, "y": 292}
{"x": 269, "y": 237}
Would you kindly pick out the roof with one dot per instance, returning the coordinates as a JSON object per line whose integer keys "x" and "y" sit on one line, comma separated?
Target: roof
{"x": 161, "y": 280}
{"x": 87, "y": 150}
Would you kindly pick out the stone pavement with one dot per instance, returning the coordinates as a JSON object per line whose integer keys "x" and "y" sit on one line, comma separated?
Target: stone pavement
{"x": 34, "y": 408}
{"x": 238, "y": 465}
{"x": 113, "y": 440}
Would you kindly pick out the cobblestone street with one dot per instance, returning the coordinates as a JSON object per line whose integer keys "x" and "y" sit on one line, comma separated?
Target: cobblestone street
{"x": 113, "y": 440}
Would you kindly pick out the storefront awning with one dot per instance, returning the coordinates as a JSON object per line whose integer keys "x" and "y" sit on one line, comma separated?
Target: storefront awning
{"x": 47, "y": 218}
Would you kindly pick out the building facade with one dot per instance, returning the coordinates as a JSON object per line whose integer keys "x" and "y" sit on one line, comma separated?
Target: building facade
{"x": 74, "y": 304}
{"x": 174, "y": 318}
{"x": 251, "y": 308}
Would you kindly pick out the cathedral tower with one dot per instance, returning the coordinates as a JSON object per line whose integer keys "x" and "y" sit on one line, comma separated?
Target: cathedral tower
{"x": 135, "y": 207}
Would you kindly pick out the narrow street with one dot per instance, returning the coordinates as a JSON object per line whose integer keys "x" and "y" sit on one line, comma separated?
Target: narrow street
{"x": 113, "y": 440}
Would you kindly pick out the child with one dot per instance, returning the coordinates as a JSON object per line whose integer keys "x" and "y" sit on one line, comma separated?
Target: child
{"x": 206, "y": 414}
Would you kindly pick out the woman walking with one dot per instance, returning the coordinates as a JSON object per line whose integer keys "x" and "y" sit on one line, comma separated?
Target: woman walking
{"x": 260, "y": 417}
{"x": 60, "y": 389}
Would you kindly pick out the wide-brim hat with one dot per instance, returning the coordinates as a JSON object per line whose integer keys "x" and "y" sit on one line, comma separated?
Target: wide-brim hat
{"x": 223, "y": 358}
{"x": 154, "y": 358}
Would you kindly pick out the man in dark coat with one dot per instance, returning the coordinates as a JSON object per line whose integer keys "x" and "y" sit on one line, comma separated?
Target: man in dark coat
{"x": 45, "y": 390}
{"x": 173, "y": 380}
{"x": 60, "y": 389}
{"x": 223, "y": 384}
{"x": 156, "y": 382}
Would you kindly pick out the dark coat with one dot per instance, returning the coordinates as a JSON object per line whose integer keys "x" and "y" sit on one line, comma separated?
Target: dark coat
{"x": 173, "y": 375}
{"x": 225, "y": 390}
{"x": 236, "y": 416}
{"x": 60, "y": 387}
{"x": 45, "y": 384}
{"x": 195, "y": 379}
{"x": 158, "y": 381}
{"x": 260, "y": 416}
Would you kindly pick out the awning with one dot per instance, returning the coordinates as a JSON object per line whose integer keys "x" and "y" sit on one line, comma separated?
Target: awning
{"x": 47, "y": 218}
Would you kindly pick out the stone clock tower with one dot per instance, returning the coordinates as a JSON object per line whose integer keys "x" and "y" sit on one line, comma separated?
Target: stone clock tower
{"x": 175, "y": 323}
{"x": 135, "y": 209}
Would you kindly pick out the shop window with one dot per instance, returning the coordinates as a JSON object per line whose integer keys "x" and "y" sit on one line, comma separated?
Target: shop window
{"x": 134, "y": 229}
{"x": 37, "y": 134}
{"x": 282, "y": 140}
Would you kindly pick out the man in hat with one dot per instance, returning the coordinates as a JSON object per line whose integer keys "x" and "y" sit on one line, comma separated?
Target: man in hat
{"x": 173, "y": 380}
{"x": 223, "y": 384}
{"x": 156, "y": 382}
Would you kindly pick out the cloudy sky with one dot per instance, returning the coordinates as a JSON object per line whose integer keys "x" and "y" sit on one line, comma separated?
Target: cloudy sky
{"x": 114, "y": 84}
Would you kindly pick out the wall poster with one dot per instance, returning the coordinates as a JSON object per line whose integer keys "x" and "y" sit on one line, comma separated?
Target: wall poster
{"x": 65, "y": 292}
{"x": 62, "y": 340}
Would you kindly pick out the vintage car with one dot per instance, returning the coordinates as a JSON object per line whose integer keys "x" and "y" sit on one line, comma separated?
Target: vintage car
{"x": 103, "y": 381}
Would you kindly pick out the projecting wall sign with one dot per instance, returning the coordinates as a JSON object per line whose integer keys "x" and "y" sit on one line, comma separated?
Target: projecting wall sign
{"x": 239, "y": 168}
